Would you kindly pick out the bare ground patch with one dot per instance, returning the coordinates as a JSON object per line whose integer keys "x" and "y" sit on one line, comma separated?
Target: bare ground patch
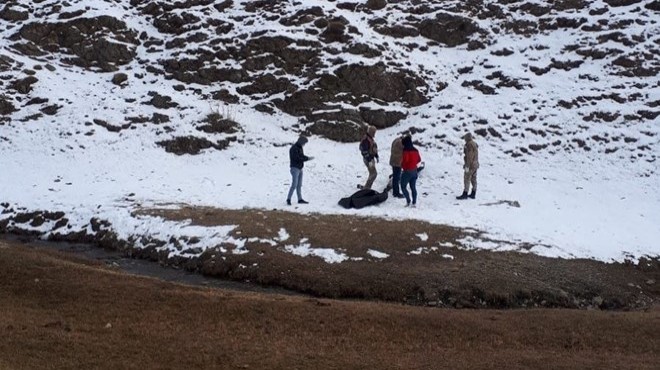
{"x": 406, "y": 261}
{"x": 426, "y": 264}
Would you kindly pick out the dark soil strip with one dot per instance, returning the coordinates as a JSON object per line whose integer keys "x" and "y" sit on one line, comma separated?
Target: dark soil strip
{"x": 134, "y": 266}
{"x": 465, "y": 279}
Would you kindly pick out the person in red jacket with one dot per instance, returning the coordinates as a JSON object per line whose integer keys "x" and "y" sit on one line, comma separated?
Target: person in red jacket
{"x": 409, "y": 163}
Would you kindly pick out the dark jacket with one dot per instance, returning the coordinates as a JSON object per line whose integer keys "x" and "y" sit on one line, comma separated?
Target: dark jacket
{"x": 368, "y": 148}
{"x": 297, "y": 157}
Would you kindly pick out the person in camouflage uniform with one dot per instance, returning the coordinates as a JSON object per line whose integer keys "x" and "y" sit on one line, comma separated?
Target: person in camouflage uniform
{"x": 369, "y": 151}
{"x": 470, "y": 166}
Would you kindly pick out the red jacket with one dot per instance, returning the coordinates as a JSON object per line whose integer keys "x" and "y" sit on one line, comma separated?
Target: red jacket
{"x": 410, "y": 159}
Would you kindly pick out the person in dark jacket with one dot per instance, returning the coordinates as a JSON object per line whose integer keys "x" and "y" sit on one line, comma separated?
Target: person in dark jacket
{"x": 409, "y": 162}
{"x": 297, "y": 159}
{"x": 395, "y": 161}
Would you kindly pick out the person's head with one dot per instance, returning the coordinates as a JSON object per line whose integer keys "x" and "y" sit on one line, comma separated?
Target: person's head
{"x": 371, "y": 130}
{"x": 301, "y": 141}
{"x": 467, "y": 137}
{"x": 407, "y": 141}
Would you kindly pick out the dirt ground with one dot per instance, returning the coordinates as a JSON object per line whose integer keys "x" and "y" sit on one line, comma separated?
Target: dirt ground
{"x": 59, "y": 311}
{"x": 466, "y": 279}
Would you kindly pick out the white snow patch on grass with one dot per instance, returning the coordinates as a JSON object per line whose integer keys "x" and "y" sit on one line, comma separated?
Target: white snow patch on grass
{"x": 329, "y": 255}
{"x": 377, "y": 254}
{"x": 425, "y": 250}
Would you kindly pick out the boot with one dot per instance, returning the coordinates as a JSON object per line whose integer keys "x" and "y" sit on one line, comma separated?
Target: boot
{"x": 473, "y": 194}
{"x": 288, "y": 202}
{"x": 302, "y": 201}
{"x": 463, "y": 196}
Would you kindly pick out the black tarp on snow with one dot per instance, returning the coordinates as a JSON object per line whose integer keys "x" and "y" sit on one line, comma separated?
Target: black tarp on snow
{"x": 363, "y": 198}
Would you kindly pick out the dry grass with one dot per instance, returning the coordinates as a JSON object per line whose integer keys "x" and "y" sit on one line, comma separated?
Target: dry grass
{"x": 471, "y": 279}
{"x": 55, "y": 311}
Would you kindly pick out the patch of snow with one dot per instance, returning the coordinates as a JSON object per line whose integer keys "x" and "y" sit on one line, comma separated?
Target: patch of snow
{"x": 282, "y": 235}
{"x": 377, "y": 254}
{"x": 425, "y": 250}
{"x": 329, "y": 255}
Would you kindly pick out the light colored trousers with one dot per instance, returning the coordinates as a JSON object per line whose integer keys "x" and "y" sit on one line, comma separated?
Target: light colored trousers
{"x": 470, "y": 177}
{"x": 371, "y": 166}
{"x": 296, "y": 182}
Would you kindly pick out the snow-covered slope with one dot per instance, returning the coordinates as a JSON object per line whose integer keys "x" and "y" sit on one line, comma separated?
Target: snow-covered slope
{"x": 563, "y": 97}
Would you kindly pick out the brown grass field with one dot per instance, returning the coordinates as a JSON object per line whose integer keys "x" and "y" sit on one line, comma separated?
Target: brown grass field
{"x": 470, "y": 279}
{"x": 59, "y": 311}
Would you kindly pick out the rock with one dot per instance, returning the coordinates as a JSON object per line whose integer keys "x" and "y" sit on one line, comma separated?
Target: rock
{"x": 216, "y": 124}
{"x": 50, "y": 110}
{"x": 161, "y": 101}
{"x": 108, "y": 326}
{"x": 650, "y": 282}
{"x": 102, "y": 42}
{"x": 376, "y": 4}
{"x": 617, "y": 3}
{"x": 376, "y": 82}
{"x": 158, "y": 118}
{"x": 340, "y": 131}
{"x": 24, "y": 85}
{"x": 303, "y": 16}
{"x": 450, "y": 30}
{"x": 119, "y": 78}
{"x": 225, "y": 96}
{"x": 397, "y": 31}
{"x": 335, "y": 32}
{"x": 381, "y": 118}
{"x": 192, "y": 145}
{"x": 6, "y": 106}
{"x": 37, "y": 100}
{"x": 480, "y": 86}
{"x": 8, "y": 13}
{"x": 267, "y": 84}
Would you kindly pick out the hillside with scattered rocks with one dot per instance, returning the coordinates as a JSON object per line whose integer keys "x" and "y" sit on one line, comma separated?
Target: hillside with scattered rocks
{"x": 108, "y": 107}
{"x": 337, "y": 66}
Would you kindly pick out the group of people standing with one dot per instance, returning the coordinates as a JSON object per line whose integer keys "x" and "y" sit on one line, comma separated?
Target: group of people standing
{"x": 404, "y": 160}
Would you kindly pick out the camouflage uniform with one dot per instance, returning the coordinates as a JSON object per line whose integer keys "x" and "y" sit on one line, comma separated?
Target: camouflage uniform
{"x": 470, "y": 166}
{"x": 369, "y": 151}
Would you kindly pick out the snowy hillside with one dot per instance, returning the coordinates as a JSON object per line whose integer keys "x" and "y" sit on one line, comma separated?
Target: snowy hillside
{"x": 107, "y": 107}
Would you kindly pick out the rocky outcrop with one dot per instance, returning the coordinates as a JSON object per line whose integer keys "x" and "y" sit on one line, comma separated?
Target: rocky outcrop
{"x": 91, "y": 41}
{"x": 447, "y": 29}
{"x": 348, "y": 125}
{"x": 119, "y": 79}
{"x": 215, "y": 123}
{"x": 6, "y": 106}
{"x": 617, "y": 3}
{"x": 23, "y": 85}
{"x": 10, "y": 14}
{"x": 192, "y": 145}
